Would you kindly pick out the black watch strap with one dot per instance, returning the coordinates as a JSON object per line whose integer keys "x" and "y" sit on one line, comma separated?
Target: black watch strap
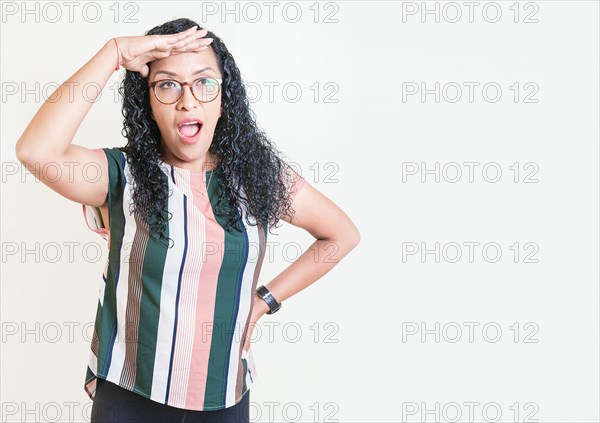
{"x": 265, "y": 294}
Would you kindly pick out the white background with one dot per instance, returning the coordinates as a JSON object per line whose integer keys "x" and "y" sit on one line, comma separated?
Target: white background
{"x": 365, "y": 366}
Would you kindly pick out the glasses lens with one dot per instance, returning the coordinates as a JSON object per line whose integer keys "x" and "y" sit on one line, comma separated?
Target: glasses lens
{"x": 206, "y": 89}
{"x": 167, "y": 91}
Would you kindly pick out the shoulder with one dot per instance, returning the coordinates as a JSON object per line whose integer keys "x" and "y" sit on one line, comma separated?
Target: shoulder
{"x": 115, "y": 153}
{"x": 116, "y": 165}
{"x": 112, "y": 155}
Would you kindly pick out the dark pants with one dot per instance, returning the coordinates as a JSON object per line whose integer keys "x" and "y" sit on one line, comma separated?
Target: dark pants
{"x": 114, "y": 404}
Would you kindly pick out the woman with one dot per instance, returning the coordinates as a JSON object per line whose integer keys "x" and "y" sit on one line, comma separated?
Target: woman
{"x": 183, "y": 206}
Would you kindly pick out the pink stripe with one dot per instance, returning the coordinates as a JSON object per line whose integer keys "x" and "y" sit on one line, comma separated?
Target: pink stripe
{"x": 205, "y": 304}
{"x": 186, "y": 304}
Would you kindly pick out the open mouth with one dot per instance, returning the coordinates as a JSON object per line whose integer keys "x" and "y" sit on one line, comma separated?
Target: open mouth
{"x": 190, "y": 129}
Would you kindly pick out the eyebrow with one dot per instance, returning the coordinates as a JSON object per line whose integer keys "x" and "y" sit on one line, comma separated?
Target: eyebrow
{"x": 175, "y": 74}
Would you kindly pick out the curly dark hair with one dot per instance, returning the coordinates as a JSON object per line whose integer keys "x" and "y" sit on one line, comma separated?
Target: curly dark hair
{"x": 247, "y": 158}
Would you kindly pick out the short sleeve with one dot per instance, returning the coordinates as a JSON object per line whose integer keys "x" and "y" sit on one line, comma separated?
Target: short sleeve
{"x": 92, "y": 215}
{"x": 93, "y": 219}
{"x": 113, "y": 161}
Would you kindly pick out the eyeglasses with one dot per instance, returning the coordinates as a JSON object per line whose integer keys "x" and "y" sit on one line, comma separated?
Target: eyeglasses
{"x": 169, "y": 91}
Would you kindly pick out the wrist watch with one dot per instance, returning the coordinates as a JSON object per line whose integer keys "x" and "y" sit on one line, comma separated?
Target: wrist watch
{"x": 265, "y": 294}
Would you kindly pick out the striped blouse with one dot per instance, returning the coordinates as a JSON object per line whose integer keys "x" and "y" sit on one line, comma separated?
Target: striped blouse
{"x": 171, "y": 322}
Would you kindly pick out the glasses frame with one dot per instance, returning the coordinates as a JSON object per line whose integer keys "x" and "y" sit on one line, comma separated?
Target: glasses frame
{"x": 182, "y": 85}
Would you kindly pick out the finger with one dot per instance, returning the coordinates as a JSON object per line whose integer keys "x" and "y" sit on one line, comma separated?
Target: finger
{"x": 183, "y": 42}
{"x": 198, "y": 50}
{"x": 192, "y": 37}
{"x": 158, "y": 55}
{"x": 185, "y": 33}
{"x": 174, "y": 38}
{"x": 190, "y": 48}
{"x": 195, "y": 45}
{"x": 162, "y": 42}
{"x": 145, "y": 71}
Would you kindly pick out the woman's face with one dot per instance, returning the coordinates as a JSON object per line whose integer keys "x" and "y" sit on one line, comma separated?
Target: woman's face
{"x": 189, "y": 152}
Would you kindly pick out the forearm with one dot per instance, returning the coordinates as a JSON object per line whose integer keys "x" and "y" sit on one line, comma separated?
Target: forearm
{"x": 55, "y": 124}
{"x": 315, "y": 262}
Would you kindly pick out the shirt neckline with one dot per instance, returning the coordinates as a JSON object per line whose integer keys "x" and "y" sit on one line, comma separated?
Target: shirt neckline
{"x": 184, "y": 170}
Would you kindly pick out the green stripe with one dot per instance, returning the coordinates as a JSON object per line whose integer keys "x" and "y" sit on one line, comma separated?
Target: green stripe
{"x": 117, "y": 223}
{"x": 100, "y": 216}
{"x": 245, "y": 364}
{"x": 153, "y": 269}
{"x": 227, "y": 300}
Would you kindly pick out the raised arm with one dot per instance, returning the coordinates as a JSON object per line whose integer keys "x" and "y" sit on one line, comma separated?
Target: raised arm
{"x": 45, "y": 147}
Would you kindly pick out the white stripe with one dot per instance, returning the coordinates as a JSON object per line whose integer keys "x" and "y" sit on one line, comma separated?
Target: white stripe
{"x": 101, "y": 291}
{"x": 118, "y": 351}
{"x": 94, "y": 221}
{"x": 168, "y": 298}
{"x": 93, "y": 362}
{"x": 246, "y": 298}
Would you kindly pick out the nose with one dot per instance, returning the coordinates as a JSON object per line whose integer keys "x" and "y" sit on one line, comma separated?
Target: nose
{"x": 187, "y": 100}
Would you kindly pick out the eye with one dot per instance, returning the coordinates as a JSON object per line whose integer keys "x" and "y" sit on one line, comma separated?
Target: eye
{"x": 167, "y": 84}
